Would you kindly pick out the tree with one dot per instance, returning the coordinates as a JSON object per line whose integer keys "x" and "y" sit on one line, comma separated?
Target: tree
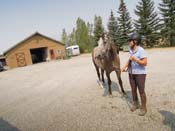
{"x": 91, "y": 40}
{"x": 148, "y": 22}
{"x": 98, "y": 29}
{"x": 167, "y": 8}
{"x": 64, "y": 37}
{"x": 72, "y": 38}
{"x": 113, "y": 29}
{"x": 125, "y": 24}
{"x": 82, "y": 35}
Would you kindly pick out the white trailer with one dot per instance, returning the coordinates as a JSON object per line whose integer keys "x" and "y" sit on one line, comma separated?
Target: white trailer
{"x": 73, "y": 50}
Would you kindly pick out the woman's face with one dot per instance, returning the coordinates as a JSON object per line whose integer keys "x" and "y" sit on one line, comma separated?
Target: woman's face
{"x": 131, "y": 43}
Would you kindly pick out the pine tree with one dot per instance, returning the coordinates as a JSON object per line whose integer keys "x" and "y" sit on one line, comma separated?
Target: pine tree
{"x": 167, "y": 8}
{"x": 64, "y": 37}
{"x": 98, "y": 29}
{"x": 125, "y": 23}
{"x": 148, "y": 22}
{"x": 113, "y": 29}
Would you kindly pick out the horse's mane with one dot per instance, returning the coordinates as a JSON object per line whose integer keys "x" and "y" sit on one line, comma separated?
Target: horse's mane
{"x": 100, "y": 42}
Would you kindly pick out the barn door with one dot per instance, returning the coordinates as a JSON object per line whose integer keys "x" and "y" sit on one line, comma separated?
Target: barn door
{"x": 52, "y": 54}
{"x": 20, "y": 58}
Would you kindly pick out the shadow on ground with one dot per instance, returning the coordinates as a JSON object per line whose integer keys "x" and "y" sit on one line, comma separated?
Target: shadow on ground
{"x": 6, "y": 126}
{"x": 169, "y": 119}
{"x": 115, "y": 87}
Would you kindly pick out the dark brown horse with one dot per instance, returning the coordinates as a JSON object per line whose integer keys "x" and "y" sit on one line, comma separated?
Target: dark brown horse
{"x": 106, "y": 58}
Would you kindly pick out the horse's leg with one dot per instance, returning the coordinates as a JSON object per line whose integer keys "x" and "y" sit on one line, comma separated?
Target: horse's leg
{"x": 102, "y": 75}
{"x": 98, "y": 72}
{"x": 96, "y": 67}
{"x": 118, "y": 72}
{"x": 109, "y": 82}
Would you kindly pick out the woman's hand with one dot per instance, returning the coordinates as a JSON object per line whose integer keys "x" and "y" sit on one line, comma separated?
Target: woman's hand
{"x": 124, "y": 69}
{"x": 142, "y": 61}
{"x": 133, "y": 58}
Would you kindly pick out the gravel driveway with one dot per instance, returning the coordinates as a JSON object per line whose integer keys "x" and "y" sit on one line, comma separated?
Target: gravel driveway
{"x": 65, "y": 96}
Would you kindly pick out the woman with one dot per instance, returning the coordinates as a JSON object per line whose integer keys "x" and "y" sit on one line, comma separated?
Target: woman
{"x": 137, "y": 72}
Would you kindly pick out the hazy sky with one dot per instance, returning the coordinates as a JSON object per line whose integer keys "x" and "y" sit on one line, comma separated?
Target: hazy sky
{"x": 21, "y": 18}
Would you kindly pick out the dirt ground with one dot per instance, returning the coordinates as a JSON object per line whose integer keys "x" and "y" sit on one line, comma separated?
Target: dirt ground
{"x": 65, "y": 96}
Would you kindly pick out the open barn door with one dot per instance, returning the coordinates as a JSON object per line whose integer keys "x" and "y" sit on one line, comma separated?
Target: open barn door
{"x": 38, "y": 55}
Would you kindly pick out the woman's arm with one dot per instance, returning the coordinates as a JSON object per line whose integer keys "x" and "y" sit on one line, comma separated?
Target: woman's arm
{"x": 142, "y": 61}
{"x": 125, "y": 67}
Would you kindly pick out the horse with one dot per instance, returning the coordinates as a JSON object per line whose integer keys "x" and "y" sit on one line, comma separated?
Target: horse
{"x": 105, "y": 57}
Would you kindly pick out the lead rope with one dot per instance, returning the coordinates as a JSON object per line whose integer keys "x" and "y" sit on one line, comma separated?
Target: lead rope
{"x": 130, "y": 66}
{"x": 127, "y": 98}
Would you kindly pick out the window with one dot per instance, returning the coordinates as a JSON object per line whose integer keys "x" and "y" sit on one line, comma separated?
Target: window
{"x": 59, "y": 51}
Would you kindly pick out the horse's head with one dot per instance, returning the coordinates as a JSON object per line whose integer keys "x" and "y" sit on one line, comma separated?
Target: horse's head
{"x": 109, "y": 50}
{"x": 102, "y": 40}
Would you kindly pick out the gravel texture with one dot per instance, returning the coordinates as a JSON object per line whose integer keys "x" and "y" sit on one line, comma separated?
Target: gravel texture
{"x": 65, "y": 96}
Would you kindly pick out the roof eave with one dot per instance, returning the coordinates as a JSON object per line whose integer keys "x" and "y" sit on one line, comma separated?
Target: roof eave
{"x": 36, "y": 33}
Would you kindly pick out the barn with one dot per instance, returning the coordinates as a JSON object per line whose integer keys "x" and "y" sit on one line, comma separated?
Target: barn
{"x": 34, "y": 49}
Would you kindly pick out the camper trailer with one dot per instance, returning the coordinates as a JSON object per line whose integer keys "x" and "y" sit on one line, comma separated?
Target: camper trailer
{"x": 73, "y": 50}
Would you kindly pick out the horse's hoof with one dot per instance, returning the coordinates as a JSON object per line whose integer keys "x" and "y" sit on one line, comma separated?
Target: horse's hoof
{"x": 124, "y": 95}
{"x": 110, "y": 96}
{"x": 100, "y": 84}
